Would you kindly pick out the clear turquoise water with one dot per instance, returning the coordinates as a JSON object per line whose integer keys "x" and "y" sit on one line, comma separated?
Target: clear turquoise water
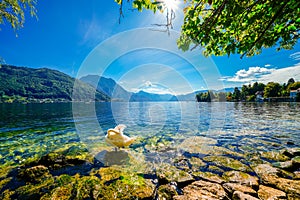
{"x": 32, "y": 130}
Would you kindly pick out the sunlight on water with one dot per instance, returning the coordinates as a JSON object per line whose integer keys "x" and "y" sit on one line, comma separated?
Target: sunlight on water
{"x": 35, "y": 129}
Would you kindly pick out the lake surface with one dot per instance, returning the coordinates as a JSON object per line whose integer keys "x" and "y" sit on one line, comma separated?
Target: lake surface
{"x": 33, "y": 130}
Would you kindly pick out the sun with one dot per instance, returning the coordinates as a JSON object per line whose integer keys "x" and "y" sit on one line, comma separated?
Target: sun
{"x": 171, "y": 4}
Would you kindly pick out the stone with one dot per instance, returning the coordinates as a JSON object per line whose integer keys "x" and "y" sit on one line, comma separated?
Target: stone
{"x": 241, "y": 178}
{"x": 167, "y": 173}
{"x": 182, "y": 163}
{"x": 74, "y": 155}
{"x": 271, "y": 176}
{"x": 206, "y": 146}
{"x": 269, "y": 193}
{"x": 237, "y": 195}
{"x": 263, "y": 169}
{"x": 132, "y": 185}
{"x": 297, "y": 175}
{"x": 215, "y": 169}
{"x": 197, "y": 163}
{"x": 227, "y": 162}
{"x": 291, "y": 152}
{"x": 208, "y": 176}
{"x": 167, "y": 191}
{"x": 203, "y": 189}
{"x": 274, "y": 155}
{"x": 296, "y": 162}
{"x": 34, "y": 174}
{"x": 231, "y": 187}
{"x": 284, "y": 165}
{"x": 289, "y": 186}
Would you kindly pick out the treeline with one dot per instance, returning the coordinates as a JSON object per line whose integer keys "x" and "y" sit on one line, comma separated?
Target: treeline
{"x": 256, "y": 91}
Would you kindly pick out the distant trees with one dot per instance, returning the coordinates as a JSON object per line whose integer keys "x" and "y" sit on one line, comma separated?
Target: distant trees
{"x": 251, "y": 92}
{"x": 272, "y": 90}
{"x": 236, "y": 95}
{"x": 205, "y": 96}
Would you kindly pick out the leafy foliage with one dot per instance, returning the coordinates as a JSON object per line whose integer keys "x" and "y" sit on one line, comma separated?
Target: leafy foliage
{"x": 205, "y": 96}
{"x": 13, "y": 11}
{"x": 228, "y": 27}
{"x": 26, "y": 84}
{"x": 236, "y": 95}
{"x": 272, "y": 90}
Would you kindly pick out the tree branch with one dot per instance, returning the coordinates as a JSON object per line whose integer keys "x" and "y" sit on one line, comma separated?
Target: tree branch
{"x": 277, "y": 14}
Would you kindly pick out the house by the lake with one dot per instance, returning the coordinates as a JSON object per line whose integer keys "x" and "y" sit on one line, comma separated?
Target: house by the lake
{"x": 293, "y": 94}
{"x": 259, "y": 96}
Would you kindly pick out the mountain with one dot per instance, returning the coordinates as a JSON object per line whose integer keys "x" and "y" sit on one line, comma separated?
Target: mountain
{"x": 108, "y": 86}
{"x": 144, "y": 96}
{"x": 117, "y": 93}
{"x": 38, "y": 85}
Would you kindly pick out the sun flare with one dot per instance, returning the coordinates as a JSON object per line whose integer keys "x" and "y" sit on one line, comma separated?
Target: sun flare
{"x": 171, "y": 4}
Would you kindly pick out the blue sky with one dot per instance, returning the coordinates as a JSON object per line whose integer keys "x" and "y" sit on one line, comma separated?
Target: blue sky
{"x": 85, "y": 37}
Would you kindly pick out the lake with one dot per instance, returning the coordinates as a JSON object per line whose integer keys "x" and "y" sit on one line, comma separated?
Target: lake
{"x": 165, "y": 130}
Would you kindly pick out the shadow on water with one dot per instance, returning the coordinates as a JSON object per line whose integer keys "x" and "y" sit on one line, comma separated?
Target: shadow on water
{"x": 118, "y": 157}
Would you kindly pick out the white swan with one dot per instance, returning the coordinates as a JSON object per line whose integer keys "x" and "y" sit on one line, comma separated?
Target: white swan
{"x": 117, "y": 138}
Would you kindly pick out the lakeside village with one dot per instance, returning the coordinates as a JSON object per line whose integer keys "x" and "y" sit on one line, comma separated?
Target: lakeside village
{"x": 258, "y": 92}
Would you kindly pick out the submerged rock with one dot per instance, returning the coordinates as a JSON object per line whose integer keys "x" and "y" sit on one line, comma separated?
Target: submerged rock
{"x": 291, "y": 152}
{"x": 208, "y": 176}
{"x": 74, "y": 155}
{"x": 296, "y": 162}
{"x": 274, "y": 155}
{"x": 265, "y": 192}
{"x": 197, "y": 163}
{"x": 168, "y": 173}
{"x": 167, "y": 191}
{"x": 203, "y": 189}
{"x": 284, "y": 165}
{"x": 206, "y": 146}
{"x": 241, "y": 178}
{"x": 34, "y": 174}
{"x": 223, "y": 161}
{"x": 263, "y": 169}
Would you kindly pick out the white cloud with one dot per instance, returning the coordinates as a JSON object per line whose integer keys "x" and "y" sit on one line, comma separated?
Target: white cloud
{"x": 264, "y": 75}
{"x": 282, "y": 75}
{"x": 295, "y": 56}
{"x": 268, "y": 65}
{"x": 252, "y": 74}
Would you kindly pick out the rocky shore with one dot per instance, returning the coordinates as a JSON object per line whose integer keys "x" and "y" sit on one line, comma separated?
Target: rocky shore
{"x": 196, "y": 169}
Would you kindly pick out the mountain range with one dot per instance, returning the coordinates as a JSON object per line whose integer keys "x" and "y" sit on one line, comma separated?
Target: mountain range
{"x": 117, "y": 93}
{"x": 23, "y": 84}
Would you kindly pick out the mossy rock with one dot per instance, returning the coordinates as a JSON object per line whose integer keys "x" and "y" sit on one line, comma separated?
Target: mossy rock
{"x": 34, "y": 191}
{"x": 73, "y": 155}
{"x": 115, "y": 179}
{"x": 167, "y": 191}
{"x": 275, "y": 156}
{"x": 34, "y": 174}
{"x": 208, "y": 176}
{"x": 167, "y": 173}
{"x": 215, "y": 169}
{"x": 296, "y": 161}
{"x": 227, "y": 162}
{"x": 109, "y": 173}
{"x": 197, "y": 163}
{"x": 241, "y": 178}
